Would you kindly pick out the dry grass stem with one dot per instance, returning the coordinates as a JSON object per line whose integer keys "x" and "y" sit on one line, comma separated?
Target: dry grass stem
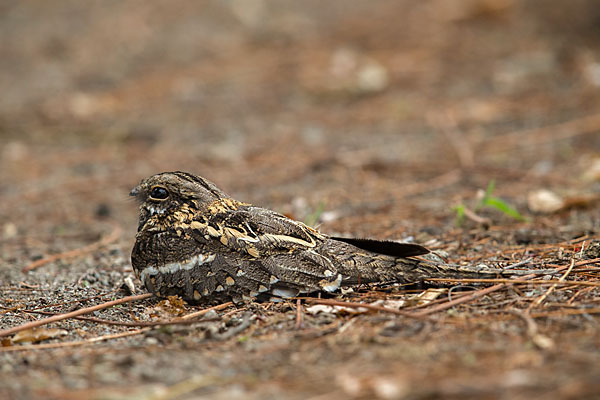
{"x": 93, "y": 340}
{"x": 206, "y": 310}
{"x": 543, "y": 297}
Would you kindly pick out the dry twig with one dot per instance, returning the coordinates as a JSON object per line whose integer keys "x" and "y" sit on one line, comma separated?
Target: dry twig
{"x": 329, "y": 302}
{"x": 75, "y": 313}
{"x": 543, "y": 297}
{"x": 479, "y": 293}
{"x": 74, "y": 343}
{"x": 461, "y": 300}
{"x": 298, "y": 314}
{"x": 206, "y": 310}
{"x": 175, "y": 321}
{"x": 476, "y": 218}
{"x": 556, "y": 282}
{"x": 541, "y": 341}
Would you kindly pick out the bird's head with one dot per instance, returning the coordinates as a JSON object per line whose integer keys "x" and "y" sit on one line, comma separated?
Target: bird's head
{"x": 168, "y": 191}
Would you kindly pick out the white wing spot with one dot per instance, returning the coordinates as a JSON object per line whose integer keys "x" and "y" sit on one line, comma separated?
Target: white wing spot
{"x": 174, "y": 267}
{"x": 284, "y": 292}
{"x": 332, "y": 286}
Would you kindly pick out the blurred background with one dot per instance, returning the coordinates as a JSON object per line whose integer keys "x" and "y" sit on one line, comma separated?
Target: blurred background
{"x": 369, "y": 118}
{"x": 353, "y": 105}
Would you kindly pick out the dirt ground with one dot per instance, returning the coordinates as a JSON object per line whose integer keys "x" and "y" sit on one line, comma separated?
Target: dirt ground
{"x": 373, "y": 119}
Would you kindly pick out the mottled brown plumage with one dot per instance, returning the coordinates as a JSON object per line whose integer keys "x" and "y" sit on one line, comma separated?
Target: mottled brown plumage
{"x": 195, "y": 241}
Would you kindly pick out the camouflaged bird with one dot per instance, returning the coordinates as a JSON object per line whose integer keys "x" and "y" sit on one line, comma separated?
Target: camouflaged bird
{"x": 195, "y": 241}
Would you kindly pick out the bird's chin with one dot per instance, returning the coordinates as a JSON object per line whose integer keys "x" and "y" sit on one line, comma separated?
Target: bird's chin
{"x": 147, "y": 212}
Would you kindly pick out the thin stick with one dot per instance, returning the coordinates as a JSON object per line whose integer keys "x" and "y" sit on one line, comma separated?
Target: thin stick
{"x": 577, "y": 294}
{"x": 478, "y": 293}
{"x": 476, "y": 218}
{"x": 579, "y": 263}
{"x": 461, "y": 300}
{"x": 87, "y": 310}
{"x": 518, "y": 281}
{"x": 518, "y": 264}
{"x": 451, "y": 296}
{"x": 202, "y": 312}
{"x": 175, "y": 321}
{"x": 543, "y": 297}
{"x": 114, "y": 235}
{"x": 74, "y": 343}
{"x": 541, "y": 341}
{"x": 298, "y": 314}
{"x": 329, "y": 302}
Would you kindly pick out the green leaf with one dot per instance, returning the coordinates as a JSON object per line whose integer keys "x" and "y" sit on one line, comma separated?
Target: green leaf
{"x": 501, "y": 205}
{"x": 313, "y": 217}
{"x": 488, "y": 194}
{"x": 490, "y": 189}
{"x": 460, "y": 214}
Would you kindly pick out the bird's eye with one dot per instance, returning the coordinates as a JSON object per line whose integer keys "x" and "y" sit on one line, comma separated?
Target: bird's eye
{"x": 159, "y": 193}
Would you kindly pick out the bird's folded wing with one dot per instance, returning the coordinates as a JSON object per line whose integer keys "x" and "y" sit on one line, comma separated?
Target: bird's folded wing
{"x": 284, "y": 248}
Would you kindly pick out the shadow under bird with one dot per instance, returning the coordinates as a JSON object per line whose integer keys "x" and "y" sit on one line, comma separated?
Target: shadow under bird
{"x": 196, "y": 242}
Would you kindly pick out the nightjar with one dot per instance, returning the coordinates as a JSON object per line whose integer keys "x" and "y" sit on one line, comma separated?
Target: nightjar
{"x": 195, "y": 241}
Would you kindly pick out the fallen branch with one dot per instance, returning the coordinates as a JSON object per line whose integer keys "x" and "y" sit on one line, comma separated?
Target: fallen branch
{"x": 541, "y": 341}
{"x": 557, "y": 282}
{"x": 455, "y": 302}
{"x": 175, "y": 321}
{"x": 450, "y": 296}
{"x": 74, "y": 343}
{"x": 579, "y": 263}
{"x": 299, "y": 314}
{"x": 479, "y": 293}
{"x": 202, "y": 312}
{"x": 82, "y": 311}
{"x": 329, "y": 302}
{"x": 543, "y": 297}
{"x": 476, "y": 218}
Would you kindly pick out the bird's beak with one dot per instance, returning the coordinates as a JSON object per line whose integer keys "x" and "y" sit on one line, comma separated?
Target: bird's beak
{"x": 135, "y": 191}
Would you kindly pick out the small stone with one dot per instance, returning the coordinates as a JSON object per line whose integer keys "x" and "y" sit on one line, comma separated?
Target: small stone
{"x": 544, "y": 201}
{"x": 210, "y": 315}
{"x": 9, "y": 230}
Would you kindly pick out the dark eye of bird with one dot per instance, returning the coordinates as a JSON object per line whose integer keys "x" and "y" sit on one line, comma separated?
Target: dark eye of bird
{"x": 159, "y": 193}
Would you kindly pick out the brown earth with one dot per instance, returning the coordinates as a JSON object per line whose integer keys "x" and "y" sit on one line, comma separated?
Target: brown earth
{"x": 367, "y": 118}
